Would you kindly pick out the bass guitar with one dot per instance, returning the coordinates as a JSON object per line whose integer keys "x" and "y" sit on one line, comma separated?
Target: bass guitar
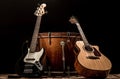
{"x": 30, "y": 64}
{"x": 90, "y": 62}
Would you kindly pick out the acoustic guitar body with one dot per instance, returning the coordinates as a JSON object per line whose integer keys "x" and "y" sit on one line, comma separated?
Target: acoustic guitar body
{"x": 91, "y": 66}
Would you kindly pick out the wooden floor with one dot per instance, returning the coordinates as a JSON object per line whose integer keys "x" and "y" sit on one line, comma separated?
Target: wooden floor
{"x": 15, "y": 76}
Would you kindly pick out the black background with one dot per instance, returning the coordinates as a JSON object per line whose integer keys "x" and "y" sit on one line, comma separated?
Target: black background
{"x": 99, "y": 20}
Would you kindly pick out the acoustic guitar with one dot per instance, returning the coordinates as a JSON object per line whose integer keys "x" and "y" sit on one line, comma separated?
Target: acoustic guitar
{"x": 90, "y": 62}
{"x": 29, "y": 64}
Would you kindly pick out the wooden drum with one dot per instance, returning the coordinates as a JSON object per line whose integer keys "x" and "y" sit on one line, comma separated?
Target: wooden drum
{"x": 59, "y": 49}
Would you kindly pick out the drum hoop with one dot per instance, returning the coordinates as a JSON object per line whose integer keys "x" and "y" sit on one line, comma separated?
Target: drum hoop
{"x": 68, "y": 35}
{"x": 57, "y": 36}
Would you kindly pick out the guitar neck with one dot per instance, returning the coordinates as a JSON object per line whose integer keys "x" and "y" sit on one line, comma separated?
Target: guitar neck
{"x": 82, "y": 34}
{"x": 35, "y": 35}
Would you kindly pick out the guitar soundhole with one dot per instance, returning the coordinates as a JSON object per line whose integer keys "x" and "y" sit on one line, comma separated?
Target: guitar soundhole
{"x": 88, "y": 48}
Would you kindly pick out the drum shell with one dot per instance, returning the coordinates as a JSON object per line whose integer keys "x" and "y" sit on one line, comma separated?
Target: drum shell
{"x": 51, "y": 42}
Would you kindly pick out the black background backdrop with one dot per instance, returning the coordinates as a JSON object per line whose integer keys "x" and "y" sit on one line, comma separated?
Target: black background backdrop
{"x": 99, "y": 20}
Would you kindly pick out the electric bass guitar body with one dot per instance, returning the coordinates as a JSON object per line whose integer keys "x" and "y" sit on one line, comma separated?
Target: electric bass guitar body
{"x": 90, "y": 61}
{"x": 92, "y": 64}
{"x": 28, "y": 64}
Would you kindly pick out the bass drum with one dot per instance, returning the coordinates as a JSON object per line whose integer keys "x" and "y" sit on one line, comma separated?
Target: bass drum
{"x": 59, "y": 49}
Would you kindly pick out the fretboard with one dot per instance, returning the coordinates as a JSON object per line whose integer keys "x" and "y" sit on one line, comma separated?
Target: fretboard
{"x": 82, "y": 34}
{"x": 35, "y": 35}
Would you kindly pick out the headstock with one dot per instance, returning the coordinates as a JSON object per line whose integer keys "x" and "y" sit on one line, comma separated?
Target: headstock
{"x": 73, "y": 20}
{"x": 40, "y": 10}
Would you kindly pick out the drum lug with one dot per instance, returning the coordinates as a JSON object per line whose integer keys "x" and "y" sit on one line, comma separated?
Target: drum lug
{"x": 49, "y": 38}
{"x": 68, "y": 35}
